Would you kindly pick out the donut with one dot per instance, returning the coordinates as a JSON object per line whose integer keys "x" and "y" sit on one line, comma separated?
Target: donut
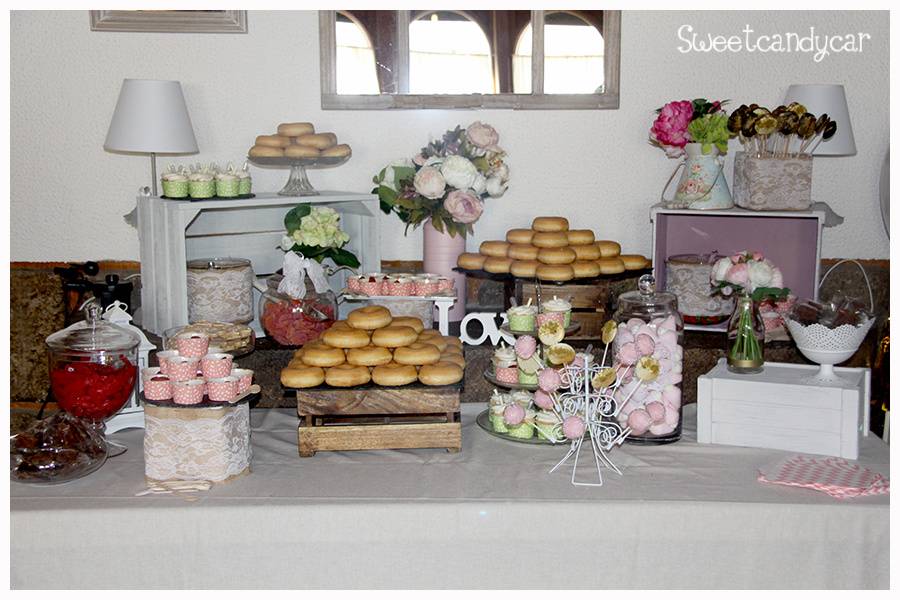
{"x": 273, "y": 141}
{"x": 634, "y": 261}
{"x": 417, "y": 354}
{"x": 441, "y": 373}
{"x": 324, "y": 356}
{"x": 522, "y": 252}
{"x": 555, "y": 272}
{"x": 414, "y": 322}
{"x": 586, "y": 252}
{"x": 439, "y": 342}
{"x": 347, "y": 376}
{"x": 585, "y": 268}
{"x": 302, "y": 377}
{"x": 369, "y": 317}
{"x": 429, "y": 334}
{"x": 266, "y": 151}
{"x": 345, "y": 338}
{"x": 295, "y": 129}
{"x": 550, "y": 239}
{"x": 394, "y": 374}
{"x": 394, "y": 336}
{"x": 611, "y": 265}
{"x": 369, "y": 356}
{"x": 524, "y": 268}
{"x": 519, "y": 236}
{"x": 454, "y": 342}
{"x": 609, "y": 248}
{"x": 492, "y": 264}
{"x": 456, "y": 359}
{"x": 550, "y": 224}
{"x": 342, "y": 323}
{"x": 493, "y": 248}
{"x": 556, "y": 256}
{"x": 470, "y": 261}
{"x": 580, "y": 236}
{"x": 339, "y": 151}
{"x": 297, "y": 363}
{"x": 321, "y": 141}
{"x": 301, "y": 152}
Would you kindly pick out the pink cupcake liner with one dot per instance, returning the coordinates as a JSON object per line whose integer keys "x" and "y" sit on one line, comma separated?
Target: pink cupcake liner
{"x": 507, "y": 374}
{"x": 164, "y": 357}
{"x": 354, "y": 284}
{"x": 183, "y": 368}
{"x": 371, "y": 288}
{"x": 425, "y": 287}
{"x": 222, "y": 389}
{"x": 557, "y": 317}
{"x": 445, "y": 284}
{"x": 245, "y": 379}
{"x": 158, "y": 387}
{"x": 188, "y": 392}
{"x": 216, "y": 365}
{"x": 195, "y": 345}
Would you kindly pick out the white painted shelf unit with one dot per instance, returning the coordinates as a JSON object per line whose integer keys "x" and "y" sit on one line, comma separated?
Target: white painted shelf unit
{"x": 173, "y": 232}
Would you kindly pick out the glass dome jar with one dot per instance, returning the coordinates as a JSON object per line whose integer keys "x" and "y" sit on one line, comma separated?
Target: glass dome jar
{"x": 292, "y": 322}
{"x": 93, "y": 370}
{"x": 650, "y": 323}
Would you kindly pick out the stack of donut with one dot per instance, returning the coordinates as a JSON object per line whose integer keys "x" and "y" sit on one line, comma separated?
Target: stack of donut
{"x": 372, "y": 346}
{"x": 550, "y": 251}
{"x": 298, "y": 140}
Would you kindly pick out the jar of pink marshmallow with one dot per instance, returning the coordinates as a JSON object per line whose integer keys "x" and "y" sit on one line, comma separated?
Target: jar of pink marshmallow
{"x": 649, "y": 325}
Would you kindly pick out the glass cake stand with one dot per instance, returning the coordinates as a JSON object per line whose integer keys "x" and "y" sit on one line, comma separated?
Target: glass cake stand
{"x": 298, "y": 184}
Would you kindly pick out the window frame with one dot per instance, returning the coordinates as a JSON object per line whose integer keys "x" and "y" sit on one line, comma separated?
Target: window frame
{"x": 536, "y": 100}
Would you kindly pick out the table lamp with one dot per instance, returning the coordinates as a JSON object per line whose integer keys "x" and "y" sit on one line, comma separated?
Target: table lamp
{"x": 151, "y": 117}
{"x": 827, "y": 98}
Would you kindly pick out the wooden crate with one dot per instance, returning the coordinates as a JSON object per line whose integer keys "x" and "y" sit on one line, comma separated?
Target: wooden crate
{"x": 378, "y": 418}
{"x": 590, "y": 303}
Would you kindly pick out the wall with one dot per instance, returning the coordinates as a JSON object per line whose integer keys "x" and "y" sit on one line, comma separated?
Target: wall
{"x": 68, "y": 195}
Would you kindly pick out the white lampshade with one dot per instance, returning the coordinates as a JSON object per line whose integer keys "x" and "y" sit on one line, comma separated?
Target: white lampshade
{"x": 151, "y": 116}
{"x": 827, "y": 98}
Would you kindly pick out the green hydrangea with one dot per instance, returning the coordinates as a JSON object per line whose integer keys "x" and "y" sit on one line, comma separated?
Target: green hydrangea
{"x": 321, "y": 227}
{"x": 710, "y": 130}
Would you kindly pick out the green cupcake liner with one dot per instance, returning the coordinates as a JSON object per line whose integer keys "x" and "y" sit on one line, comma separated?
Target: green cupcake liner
{"x": 521, "y": 323}
{"x": 526, "y": 378}
{"x": 244, "y": 186}
{"x": 175, "y": 189}
{"x": 227, "y": 189}
{"x": 498, "y": 424}
{"x": 523, "y": 431}
{"x": 203, "y": 189}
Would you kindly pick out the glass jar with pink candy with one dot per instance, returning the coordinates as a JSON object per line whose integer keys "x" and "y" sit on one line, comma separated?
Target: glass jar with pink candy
{"x": 649, "y": 324}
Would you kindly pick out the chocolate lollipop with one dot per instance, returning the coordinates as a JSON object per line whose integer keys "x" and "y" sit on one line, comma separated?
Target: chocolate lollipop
{"x": 787, "y": 126}
{"x": 827, "y": 134}
{"x": 797, "y": 108}
{"x": 765, "y": 125}
{"x": 735, "y": 121}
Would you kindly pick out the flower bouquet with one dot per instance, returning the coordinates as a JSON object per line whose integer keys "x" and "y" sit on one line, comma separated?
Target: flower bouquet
{"x": 447, "y": 182}
{"x": 681, "y": 122}
{"x": 752, "y": 278}
{"x": 315, "y": 232}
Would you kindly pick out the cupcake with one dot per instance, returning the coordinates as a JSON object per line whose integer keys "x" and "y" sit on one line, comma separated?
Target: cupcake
{"x": 497, "y": 422}
{"x": 547, "y": 423}
{"x": 505, "y": 368}
{"x": 244, "y": 181}
{"x": 525, "y": 429}
{"x": 175, "y": 185}
{"x": 202, "y": 185}
{"x": 527, "y": 378}
{"x": 227, "y": 185}
{"x": 558, "y": 305}
{"x": 523, "y": 398}
{"x": 521, "y": 318}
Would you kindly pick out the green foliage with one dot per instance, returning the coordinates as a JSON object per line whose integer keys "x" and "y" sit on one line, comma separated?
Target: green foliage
{"x": 710, "y": 130}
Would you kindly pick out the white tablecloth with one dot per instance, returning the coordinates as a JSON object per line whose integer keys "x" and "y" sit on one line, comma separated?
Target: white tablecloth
{"x": 682, "y": 515}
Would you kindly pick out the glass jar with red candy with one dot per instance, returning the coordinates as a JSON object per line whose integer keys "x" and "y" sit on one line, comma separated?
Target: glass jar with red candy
{"x": 296, "y": 321}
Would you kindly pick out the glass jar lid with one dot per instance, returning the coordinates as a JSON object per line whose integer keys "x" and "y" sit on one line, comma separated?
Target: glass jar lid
{"x": 204, "y": 264}
{"x": 93, "y": 335}
{"x": 647, "y": 301}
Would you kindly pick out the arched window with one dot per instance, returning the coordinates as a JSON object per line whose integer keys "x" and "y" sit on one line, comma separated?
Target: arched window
{"x": 573, "y": 57}
{"x": 448, "y": 54}
{"x": 355, "y": 58}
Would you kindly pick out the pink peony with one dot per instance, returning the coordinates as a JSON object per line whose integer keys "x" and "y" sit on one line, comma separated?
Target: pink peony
{"x": 463, "y": 206}
{"x": 670, "y": 127}
{"x": 757, "y": 255}
{"x": 738, "y": 274}
{"x": 482, "y": 135}
{"x": 429, "y": 182}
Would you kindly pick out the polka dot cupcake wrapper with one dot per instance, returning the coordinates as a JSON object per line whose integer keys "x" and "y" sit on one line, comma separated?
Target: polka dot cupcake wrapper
{"x": 216, "y": 366}
{"x": 159, "y": 389}
{"x": 507, "y": 374}
{"x": 556, "y": 317}
{"x": 222, "y": 389}
{"x": 188, "y": 392}
{"x": 371, "y": 288}
{"x": 245, "y": 379}
{"x": 425, "y": 288}
{"x": 183, "y": 370}
{"x": 194, "y": 346}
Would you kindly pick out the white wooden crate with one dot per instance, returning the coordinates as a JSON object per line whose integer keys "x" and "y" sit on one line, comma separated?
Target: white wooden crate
{"x": 173, "y": 232}
{"x": 773, "y": 409}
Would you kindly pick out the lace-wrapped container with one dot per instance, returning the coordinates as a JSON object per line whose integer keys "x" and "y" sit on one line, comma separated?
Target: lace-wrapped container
{"x": 220, "y": 289}
{"x": 190, "y": 444}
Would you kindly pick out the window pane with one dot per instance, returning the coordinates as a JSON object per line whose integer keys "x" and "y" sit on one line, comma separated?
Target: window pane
{"x": 573, "y": 55}
{"x": 355, "y": 59}
{"x": 448, "y": 54}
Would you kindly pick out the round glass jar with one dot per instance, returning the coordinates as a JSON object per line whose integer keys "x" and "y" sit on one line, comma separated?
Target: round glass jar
{"x": 649, "y": 324}
{"x": 291, "y": 321}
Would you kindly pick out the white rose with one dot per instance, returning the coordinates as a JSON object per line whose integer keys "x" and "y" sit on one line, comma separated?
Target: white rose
{"x": 760, "y": 274}
{"x": 389, "y": 179}
{"x": 480, "y": 185}
{"x": 495, "y": 187}
{"x": 459, "y": 172}
{"x": 502, "y": 172}
{"x": 720, "y": 269}
{"x": 429, "y": 182}
{"x": 287, "y": 242}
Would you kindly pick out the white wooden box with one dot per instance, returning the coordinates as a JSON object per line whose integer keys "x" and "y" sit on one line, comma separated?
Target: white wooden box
{"x": 773, "y": 409}
{"x": 173, "y": 232}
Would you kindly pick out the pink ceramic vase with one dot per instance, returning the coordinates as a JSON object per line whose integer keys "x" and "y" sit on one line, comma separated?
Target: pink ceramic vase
{"x": 440, "y": 254}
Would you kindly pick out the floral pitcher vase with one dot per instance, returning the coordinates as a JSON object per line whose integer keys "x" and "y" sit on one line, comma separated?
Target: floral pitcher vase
{"x": 702, "y": 185}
